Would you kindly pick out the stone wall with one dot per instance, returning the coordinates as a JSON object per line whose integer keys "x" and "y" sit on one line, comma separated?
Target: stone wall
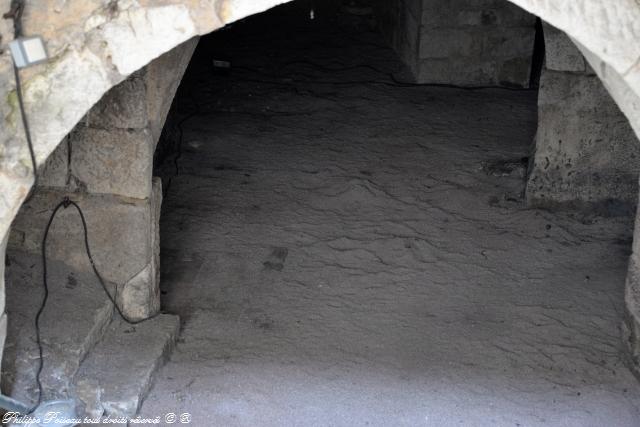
{"x": 399, "y": 22}
{"x": 463, "y": 42}
{"x": 586, "y": 154}
{"x": 105, "y": 165}
{"x": 475, "y": 42}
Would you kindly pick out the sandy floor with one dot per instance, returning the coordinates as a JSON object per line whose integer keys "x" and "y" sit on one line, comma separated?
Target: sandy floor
{"x": 359, "y": 254}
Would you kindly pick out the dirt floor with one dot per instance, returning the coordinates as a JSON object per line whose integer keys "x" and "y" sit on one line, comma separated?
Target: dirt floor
{"x": 344, "y": 250}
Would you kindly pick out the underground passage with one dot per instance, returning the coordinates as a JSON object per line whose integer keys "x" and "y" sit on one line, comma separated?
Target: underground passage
{"x": 340, "y": 213}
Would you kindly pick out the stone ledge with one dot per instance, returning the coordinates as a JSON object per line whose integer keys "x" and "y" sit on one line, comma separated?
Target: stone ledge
{"x": 116, "y": 376}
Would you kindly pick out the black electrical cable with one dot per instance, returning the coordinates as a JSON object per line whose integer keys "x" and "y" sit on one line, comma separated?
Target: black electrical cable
{"x": 17, "y": 8}
{"x": 65, "y": 203}
{"x": 15, "y": 13}
{"x": 27, "y": 133}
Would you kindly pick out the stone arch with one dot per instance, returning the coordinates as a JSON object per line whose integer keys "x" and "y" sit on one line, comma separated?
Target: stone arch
{"x": 96, "y": 45}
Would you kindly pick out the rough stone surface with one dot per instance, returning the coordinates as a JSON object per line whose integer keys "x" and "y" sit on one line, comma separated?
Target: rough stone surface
{"x": 3, "y": 316}
{"x": 156, "y": 209}
{"x": 120, "y": 232}
{"x": 561, "y": 54}
{"x": 475, "y": 43}
{"x": 139, "y": 298}
{"x": 116, "y": 377}
{"x": 399, "y": 22}
{"x": 96, "y": 45}
{"x": 76, "y": 316}
{"x": 586, "y": 154}
{"x": 110, "y": 154}
{"x": 87, "y": 356}
{"x": 368, "y": 258}
{"x": 462, "y": 42}
{"x": 93, "y": 46}
{"x": 631, "y": 336}
{"x": 162, "y": 77}
{"x": 606, "y": 33}
{"x": 3, "y": 249}
{"x": 114, "y": 161}
{"x": 55, "y": 171}
{"x": 484, "y": 72}
{"x": 123, "y": 107}
{"x": 82, "y": 36}
{"x": 631, "y": 324}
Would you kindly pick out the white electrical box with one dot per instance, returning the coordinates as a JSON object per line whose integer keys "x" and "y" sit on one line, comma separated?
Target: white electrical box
{"x": 28, "y": 51}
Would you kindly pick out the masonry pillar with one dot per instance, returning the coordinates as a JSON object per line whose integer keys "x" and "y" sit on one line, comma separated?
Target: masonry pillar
{"x": 631, "y": 323}
{"x": 3, "y": 315}
{"x": 586, "y": 154}
{"x": 462, "y": 42}
{"x": 106, "y": 165}
{"x": 399, "y": 22}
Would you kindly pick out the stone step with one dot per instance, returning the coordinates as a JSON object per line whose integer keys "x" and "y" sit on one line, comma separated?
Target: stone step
{"x": 75, "y": 319}
{"x": 90, "y": 355}
{"x": 114, "y": 379}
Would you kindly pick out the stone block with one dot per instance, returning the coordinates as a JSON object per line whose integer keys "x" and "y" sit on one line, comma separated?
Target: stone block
{"x": 469, "y": 13}
{"x": 413, "y": 7}
{"x": 139, "y": 298}
{"x": 77, "y": 314}
{"x": 449, "y": 43}
{"x": 513, "y": 71}
{"x": 631, "y": 323}
{"x": 3, "y": 256}
{"x": 156, "y": 209}
{"x": 508, "y": 43}
{"x": 123, "y": 106}
{"x": 120, "y": 232}
{"x": 55, "y": 171}
{"x": 399, "y": 23}
{"x": 631, "y": 339}
{"x": 560, "y": 52}
{"x": 632, "y": 288}
{"x": 477, "y": 44}
{"x": 404, "y": 36}
{"x": 161, "y": 78}
{"x": 586, "y": 152}
{"x": 120, "y": 370}
{"x": 115, "y": 161}
{"x": 3, "y": 334}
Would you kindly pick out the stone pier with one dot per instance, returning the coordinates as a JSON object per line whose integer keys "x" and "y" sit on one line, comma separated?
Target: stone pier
{"x": 105, "y": 164}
